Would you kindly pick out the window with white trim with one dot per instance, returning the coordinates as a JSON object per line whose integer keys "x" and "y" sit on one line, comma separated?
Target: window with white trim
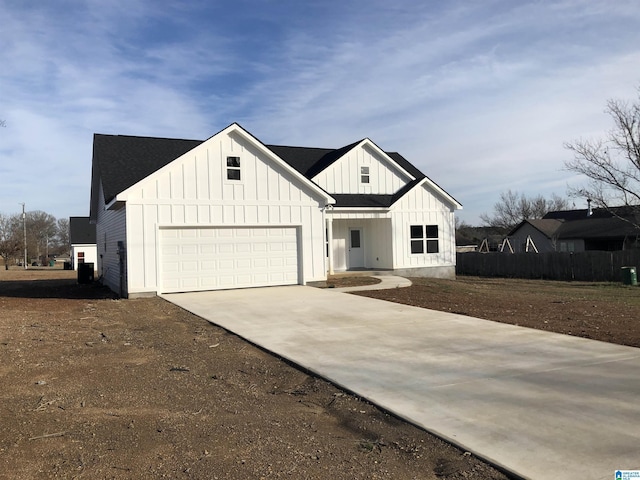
{"x": 364, "y": 175}
{"x": 233, "y": 168}
{"x": 424, "y": 238}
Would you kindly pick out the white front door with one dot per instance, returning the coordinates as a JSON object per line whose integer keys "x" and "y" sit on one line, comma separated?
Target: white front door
{"x": 355, "y": 257}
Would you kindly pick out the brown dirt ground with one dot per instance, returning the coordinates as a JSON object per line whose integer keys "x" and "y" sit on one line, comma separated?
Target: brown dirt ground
{"x": 609, "y": 312}
{"x": 97, "y": 387}
{"x": 100, "y": 388}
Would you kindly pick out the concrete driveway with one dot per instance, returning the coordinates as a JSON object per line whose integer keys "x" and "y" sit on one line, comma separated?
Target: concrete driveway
{"x": 539, "y": 404}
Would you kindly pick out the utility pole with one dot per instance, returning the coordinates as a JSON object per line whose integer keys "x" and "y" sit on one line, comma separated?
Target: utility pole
{"x": 24, "y": 235}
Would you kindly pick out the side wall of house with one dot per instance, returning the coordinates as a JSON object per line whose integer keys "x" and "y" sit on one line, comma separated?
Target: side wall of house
{"x": 110, "y": 229}
{"x": 422, "y": 207}
{"x": 345, "y": 175}
{"x": 194, "y": 191}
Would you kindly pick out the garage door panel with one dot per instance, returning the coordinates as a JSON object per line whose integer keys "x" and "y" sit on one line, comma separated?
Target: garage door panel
{"x": 217, "y": 258}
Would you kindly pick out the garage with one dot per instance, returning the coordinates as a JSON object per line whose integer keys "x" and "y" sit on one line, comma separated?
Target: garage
{"x": 216, "y": 258}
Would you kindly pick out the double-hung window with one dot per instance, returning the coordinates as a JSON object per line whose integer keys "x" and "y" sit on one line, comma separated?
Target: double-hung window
{"x": 364, "y": 174}
{"x": 424, "y": 238}
{"x": 233, "y": 168}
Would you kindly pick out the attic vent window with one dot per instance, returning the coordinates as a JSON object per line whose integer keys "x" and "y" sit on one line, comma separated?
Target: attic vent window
{"x": 233, "y": 168}
{"x": 364, "y": 174}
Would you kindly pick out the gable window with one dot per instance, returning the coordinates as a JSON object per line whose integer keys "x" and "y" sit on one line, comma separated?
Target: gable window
{"x": 424, "y": 238}
{"x": 233, "y": 168}
{"x": 364, "y": 174}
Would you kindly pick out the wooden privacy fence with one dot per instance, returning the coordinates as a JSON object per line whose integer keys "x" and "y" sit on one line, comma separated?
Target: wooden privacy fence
{"x": 591, "y": 266}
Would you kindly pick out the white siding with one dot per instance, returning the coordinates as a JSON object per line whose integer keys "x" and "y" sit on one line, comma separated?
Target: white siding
{"x": 90, "y": 254}
{"x": 193, "y": 191}
{"x": 376, "y": 241}
{"x": 343, "y": 176}
{"x": 423, "y": 207}
{"x": 110, "y": 228}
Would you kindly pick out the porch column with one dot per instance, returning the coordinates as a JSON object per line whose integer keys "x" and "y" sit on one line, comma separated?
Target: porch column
{"x": 330, "y": 244}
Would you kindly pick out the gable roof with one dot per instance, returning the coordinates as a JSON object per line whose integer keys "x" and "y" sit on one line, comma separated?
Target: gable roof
{"x": 81, "y": 231}
{"x": 547, "y": 226}
{"x": 311, "y": 161}
{"x": 121, "y": 161}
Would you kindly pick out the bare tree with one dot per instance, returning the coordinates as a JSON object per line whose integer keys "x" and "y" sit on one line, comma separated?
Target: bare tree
{"x": 611, "y": 165}
{"x": 41, "y": 229}
{"x": 62, "y": 235}
{"x": 10, "y": 237}
{"x": 513, "y": 207}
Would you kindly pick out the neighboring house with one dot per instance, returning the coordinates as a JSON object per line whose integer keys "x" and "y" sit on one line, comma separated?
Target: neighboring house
{"x": 82, "y": 236}
{"x": 579, "y": 231}
{"x": 231, "y": 212}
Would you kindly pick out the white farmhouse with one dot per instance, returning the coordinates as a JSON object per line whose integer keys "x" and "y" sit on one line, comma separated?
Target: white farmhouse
{"x": 231, "y": 212}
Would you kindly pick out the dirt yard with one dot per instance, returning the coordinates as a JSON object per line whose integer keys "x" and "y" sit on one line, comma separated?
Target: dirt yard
{"x": 96, "y": 387}
{"x": 99, "y": 388}
{"x": 600, "y": 311}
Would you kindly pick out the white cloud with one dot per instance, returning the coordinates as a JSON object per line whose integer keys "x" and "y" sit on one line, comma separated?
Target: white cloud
{"x": 481, "y": 96}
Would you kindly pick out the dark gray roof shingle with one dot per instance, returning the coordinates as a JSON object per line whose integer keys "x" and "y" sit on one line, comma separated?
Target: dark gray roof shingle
{"x": 122, "y": 160}
{"x": 81, "y": 231}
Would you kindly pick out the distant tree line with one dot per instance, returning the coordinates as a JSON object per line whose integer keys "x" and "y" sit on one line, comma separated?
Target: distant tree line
{"x": 46, "y": 237}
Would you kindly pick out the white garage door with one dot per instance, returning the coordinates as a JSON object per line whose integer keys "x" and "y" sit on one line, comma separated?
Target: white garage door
{"x": 195, "y": 259}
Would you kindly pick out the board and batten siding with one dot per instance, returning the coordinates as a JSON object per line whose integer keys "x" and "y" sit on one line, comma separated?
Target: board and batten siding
{"x": 343, "y": 176}
{"x": 193, "y": 191}
{"x": 110, "y": 229}
{"x": 423, "y": 207}
{"x": 376, "y": 241}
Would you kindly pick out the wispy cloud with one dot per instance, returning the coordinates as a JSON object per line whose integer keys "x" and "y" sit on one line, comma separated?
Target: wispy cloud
{"x": 480, "y": 95}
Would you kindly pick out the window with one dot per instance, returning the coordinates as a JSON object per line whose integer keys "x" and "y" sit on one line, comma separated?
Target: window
{"x": 355, "y": 239}
{"x": 80, "y": 257}
{"x": 233, "y": 168}
{"x": 567, "y": 247}
{"x": 364, "y": 174}
{"x": 432, "y": 238}
{"x": 422, "y": 236}
{"x": 417, "y": 239}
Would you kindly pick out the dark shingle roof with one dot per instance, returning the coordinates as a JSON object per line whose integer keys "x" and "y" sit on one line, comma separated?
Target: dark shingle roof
{"x": 592, "y": 228}
{"x": 122, "y": 160}
{"x": 125, "y": 160}
{"x": 81, "y": 231}
{"x": 547, "y": 226}
{"x": 362, "y": 200}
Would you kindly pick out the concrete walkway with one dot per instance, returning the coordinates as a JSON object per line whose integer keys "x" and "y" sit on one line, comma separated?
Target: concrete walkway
{"x": 539, "y": 404}
{"x": 387, "y": 282}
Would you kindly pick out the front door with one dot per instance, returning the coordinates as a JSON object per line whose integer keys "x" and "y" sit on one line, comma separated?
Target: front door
{"x": 356, "y": 250}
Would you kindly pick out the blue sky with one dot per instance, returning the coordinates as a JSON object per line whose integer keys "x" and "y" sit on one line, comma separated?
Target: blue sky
{"x": 480, "y": 95}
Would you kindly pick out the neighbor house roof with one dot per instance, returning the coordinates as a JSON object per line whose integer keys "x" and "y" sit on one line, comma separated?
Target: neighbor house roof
{"x": 597, "y": 228}
{"x": 571, "y": 224}
{"x": 121, "y": 161}
{"x": 548, "y": 227}
{"x": 81, "y": 231}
